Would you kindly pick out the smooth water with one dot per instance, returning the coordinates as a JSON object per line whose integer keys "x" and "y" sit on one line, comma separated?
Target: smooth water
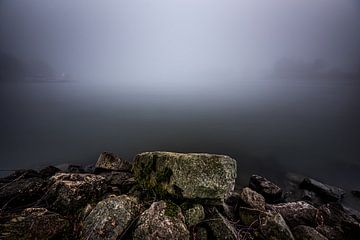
{"x": 270, "y": 127}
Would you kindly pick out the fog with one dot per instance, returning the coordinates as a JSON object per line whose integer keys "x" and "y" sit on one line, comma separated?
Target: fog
{"x": 273, "y": 83}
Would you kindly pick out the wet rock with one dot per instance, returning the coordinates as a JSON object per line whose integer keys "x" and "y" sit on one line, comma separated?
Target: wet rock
{"x": 191, "y": 176}
{"x": 49, "y": 171}
{"x": 35, "y": 223}
{"x": 194, "y": 215}
{"x": 339, "y": 223}
{"x": 163, "y": 220}
{"x": 252, "y": 199}
{"x": 231, "y": 204}
{"x": 271, "y": 192}
{"x": 303, "y": 232}
{"x": 296, "y": 213}
{"x": 326, "y": 191}
{"x": 21, "y": 192}
{"x": 111, "y": 162}
{"x": 111, "y": 217}
{"x": 71, "y": 191}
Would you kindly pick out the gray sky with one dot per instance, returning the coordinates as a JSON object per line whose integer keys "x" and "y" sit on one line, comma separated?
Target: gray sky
{"x": 140, "y": 39}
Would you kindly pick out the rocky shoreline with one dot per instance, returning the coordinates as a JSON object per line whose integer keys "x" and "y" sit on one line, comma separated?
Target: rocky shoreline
{"x": 165, "y": 195}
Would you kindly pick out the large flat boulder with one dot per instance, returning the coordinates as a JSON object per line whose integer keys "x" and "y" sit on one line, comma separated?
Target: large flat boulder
{"x": 186, "y": 175}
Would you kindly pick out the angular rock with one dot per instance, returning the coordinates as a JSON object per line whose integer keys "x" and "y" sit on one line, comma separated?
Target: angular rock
{"x": 303, "y": 232}
{"x": 111, "y": 217}
{"x": 200, "y": 233}
{"x": 194, "y": 214}
{"x": 271, "y": 192}
{"x": 75, "y": 169}
{"x": 191, "y": 176}
{"x": 328, "y": 192}
{"x": 296, "y": 213}
{"x": 71, "y": 191}
{"x": 252, "y": 199}
{"x": 231, "y": 205}
{"x": 219, "y": 227}
{"x": 111, "y": 162}
{"x": 123, "y": 180}
{"x": 49, "y": 171}
{"x": 20, "y": 174}
{"x": 35, "y": 223}
{"x": 163, "y": 220}
{"x": 21, "y": 192}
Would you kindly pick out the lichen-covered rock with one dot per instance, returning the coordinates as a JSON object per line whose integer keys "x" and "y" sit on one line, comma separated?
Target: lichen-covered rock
{"x": 271, "y": 192}
{"x": 21, "y": 191}
{"x": 296, "y": 213}
{"x": 163, "y": 220}
{"x": 111, "y": 162}
{"x": 111, "y": 217}
{"x": 252, "y": 199}
{"x": 191, "y": 176}
{"x": 303, "y": 232}
{"x": 328, "y": 192}
{"x": 71, "y": 191}
{"x": 35, "y": 223}
{"x": 194, "y": 214}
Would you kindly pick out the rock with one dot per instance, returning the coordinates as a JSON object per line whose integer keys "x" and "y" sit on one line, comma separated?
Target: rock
{"x": 49, "y": 171}
{"x": 116, "y": 178}
{"x": 252, "y": 199}
{"x": 75, "y": 169}
{"x": 191, "y": 176}
{"x": 356, "y": 193}
{"x": 296, "y": 213}
{"x": 231, "y": 204}
{"x": 271, "y": 192}
{"x": 219, "y": 227}
{"x": 328, "y": 192}
{"x": 112, "y": 162}
{"x": 194, "y": 215}
{"x": 20, "y": 174}
{"x": 303, "y": 232}
{"x": 21, "y": 192}
{"x": 200, "y": 233}
{"x": 339, "y": 223}
{"x": 111, "y": 217}
{"x": 71, "y": 191}
{"x": 163, "y": 220}
{"x": 274, "y": 227}
{"x": 35, "y": 223}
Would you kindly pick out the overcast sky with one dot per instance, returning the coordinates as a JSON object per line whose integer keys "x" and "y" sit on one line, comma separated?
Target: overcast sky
{"x": 163, "y": 38}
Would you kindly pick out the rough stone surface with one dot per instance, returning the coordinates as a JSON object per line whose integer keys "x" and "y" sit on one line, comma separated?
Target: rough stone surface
{"x": 303, "y": 232}
{"x": 192, "y": 175}
{"x": 70, "y": 191}
{"x": 329, "y": 192}
{"x": 270, "y": 191}
{"x": 111, "y": 217}
{"x": 163, "y": 220}
{"x": 220, "y": 228}
{"x": 35, "y": 223}
{"x": 252, "y": 199}
{"x": 231, "y": 204}
{"x": 296, "y": 213}
{"x": 194, "y": 215}
{"x": 274, "y": 227}
{"x": 112, "y": 162}
{"x": 49, "y": 171}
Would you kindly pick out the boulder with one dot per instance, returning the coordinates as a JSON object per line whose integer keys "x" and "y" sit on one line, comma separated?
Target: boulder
{"x": 71, "y": 191}
{"x": 296, "y": 213}
{"x": 194, "y": 215}
{"x": 328, "y": 192}
{"x": 163, "y": 220}
{"x": 75, "y": 169}
{"x": 35, "y": 223}
{"x": 49, "y": 171}
{"x": 21, "y": 191}
{"x": 230, "y": 205}
{"x": 303, "y": 232}
{"x": 219, "y": 227}
{"x": 252, "y": 199}
{"x": 111, "y": 217}
{"x": 111, "y": 162}
{"x": 271, "y": 192}
{"x": 191, "y": 176}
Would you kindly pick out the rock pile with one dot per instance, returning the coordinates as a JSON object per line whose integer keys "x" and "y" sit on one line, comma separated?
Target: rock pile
{"x": 166, "y": 195}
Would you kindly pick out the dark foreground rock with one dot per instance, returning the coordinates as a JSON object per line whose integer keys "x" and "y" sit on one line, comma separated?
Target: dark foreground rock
{"x": 330, "y": 192}
{"x": 303, "y": 232}
{"x": 271, "y": 192}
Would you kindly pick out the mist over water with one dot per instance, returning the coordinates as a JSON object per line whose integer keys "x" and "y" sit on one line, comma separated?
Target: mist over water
{"x": 273, "y": 84}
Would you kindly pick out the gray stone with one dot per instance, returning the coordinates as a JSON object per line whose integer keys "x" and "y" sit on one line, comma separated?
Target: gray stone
{"x": 252, "y": 199}
{"x": 303, "y": 232}
{"x": 191, "y": 176}
{"x": 35, "y": 223}
{"x": 271, "y": 192}
{"x": 331, "y": 193}
{"x": 110, "y": 217}
{"x": 112, "y": 162}
{"x": 163, "y": 220}
{"x": 71, "y": 191}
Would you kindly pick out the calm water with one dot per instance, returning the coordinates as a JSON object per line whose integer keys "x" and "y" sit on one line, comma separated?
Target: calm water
{"x": 270, "y": 127}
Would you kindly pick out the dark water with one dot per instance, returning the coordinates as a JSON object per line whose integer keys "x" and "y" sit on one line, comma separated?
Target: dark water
{"x": 270, "y": 127}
